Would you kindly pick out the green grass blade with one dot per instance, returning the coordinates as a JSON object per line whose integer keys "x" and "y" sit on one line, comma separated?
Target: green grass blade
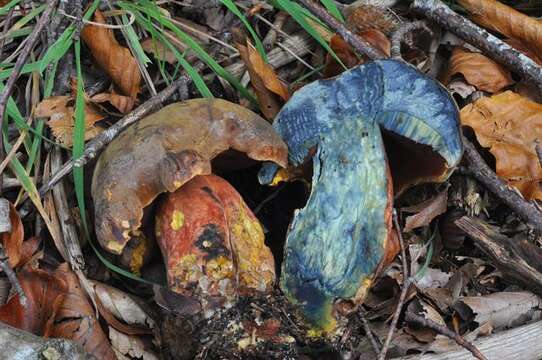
{"x": 299, "y": 14}
{"x": 151, "y": 9}
{"x": 257, "y": 42}
{"x": 134, "y": 42}
{"x": 5, "y": 9}
{"x": 332, "y": 9}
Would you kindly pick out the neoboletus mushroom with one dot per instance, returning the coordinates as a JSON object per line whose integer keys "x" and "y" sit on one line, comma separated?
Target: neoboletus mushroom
{"x": 165, "y": 150}
{"x": 335, "y": 244}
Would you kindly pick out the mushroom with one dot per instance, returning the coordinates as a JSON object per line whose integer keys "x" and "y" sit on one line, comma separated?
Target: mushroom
{"x": 336, "y": 242}
{"x": 163, "y": 151}
{"x": 212, "y": 244}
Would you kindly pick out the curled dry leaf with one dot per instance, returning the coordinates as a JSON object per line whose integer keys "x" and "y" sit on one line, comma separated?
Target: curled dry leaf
{"x": 121, "y": 305}
{"x": 510, "y": 126}
{"x": 165, "y": 150}
{"x": 478, "y": 70}
{"x": 364, "y": 17}
{"x": 511, "y": 23}
{"x": 426, "y": 211}
{"x": 116, "y": 60}
{"x": 502, "y": 309}
{"x": 347, "y": 55}
{"x": 265, "y": 81}
{"x": 130, "y": 347}
{"x": 61, "y": 121}
{"x": 13, "y": 240}
{"x": 122, "y": 103}
{"x": 76, "y": 318}
{"x": 212, "y": 243}
{"x": 45, "y": 294}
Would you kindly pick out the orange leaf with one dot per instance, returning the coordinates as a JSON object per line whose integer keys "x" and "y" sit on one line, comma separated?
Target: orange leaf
{"x": 348, "y": 57}
{"x": 61, "y": 119}
{"x": 76, "y": 318}
{"x": 511, "y": 23}
{"x": 262, "y": 77}
{"x": 478, "y": 70}
{"x": 45, "y": 294}
{"x": 116, "y": 60}
{"x": 212, "y": 243}
{"x": 13, "y": 241}
{"x": 122, "y": 103}
{"x": 510, "y": 126}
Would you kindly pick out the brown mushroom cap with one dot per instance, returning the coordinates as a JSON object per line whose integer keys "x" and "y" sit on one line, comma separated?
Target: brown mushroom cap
{"x": 163, "y": 151}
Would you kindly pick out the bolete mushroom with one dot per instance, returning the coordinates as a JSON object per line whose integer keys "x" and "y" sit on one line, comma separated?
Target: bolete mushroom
{"x": 212, "y": 244}
{"x": 335, "y": 244}
{"x": 163, "y": 151}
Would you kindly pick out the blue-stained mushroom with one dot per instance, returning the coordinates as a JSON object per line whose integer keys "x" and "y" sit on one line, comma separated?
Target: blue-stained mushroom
{"x": 337, "y": 241}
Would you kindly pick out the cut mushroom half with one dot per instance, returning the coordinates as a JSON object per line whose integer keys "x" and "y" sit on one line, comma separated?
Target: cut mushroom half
{"x": 379, "y": 121}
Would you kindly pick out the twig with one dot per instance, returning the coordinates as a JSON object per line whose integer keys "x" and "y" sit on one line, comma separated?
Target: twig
{"x": 7, "y": 23}
{"x": 498, "y": 50}
{"x": 360, "y": 45}
{"x": 399, "y": 35}
{"x": 21, "y": 60}
{"x": 481, "y": 172}
{"x": 4, "y": 265}
{"x": 443, "y": 330}
{"x": 104, "y": 138}
{"x": 406, "y": 285}
{"x": 271, "y": 37}
{"x": 368, "y": 332}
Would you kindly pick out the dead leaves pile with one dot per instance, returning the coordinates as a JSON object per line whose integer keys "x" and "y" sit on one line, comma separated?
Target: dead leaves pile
{"x": 508, "y": 122}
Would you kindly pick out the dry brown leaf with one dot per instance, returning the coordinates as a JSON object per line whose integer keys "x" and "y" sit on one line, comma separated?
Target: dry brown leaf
{"x": 122, "y": 103}
{"x": 61, "y": 119}
{"x": 428, "y": 210}
{"x": 76, "y": 319}
{"x": 13, "y": 241}
{"x": 478, "y": 70}
{"x": 348, "y": 57}
{"x": 159, "y": 50}
{"x": 45, "y": 294}
{"x": 130, "y": 347}
{"x": 510, "y": 126}
{"x": 511, "y": 23}
{"x": 116, "y": 60}
{"x": 262, "y": 77}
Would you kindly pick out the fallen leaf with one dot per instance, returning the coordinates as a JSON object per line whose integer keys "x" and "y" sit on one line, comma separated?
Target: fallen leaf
{"x": 165, "y": 150}
{"x": 129, "y": 347}
{"x": 461, "y": 88}
{"x": 511, "y": 23}
{"x": 13, "y": 240}
{"x": 478, "y": 70}
{"x": 364, "y": 17}
{"x": 263, "y": 78}
{"x": 116, "y": 60}
{"x": 501, "y": 309}
{"x": 212, "y": 244}
{"x": 122, "y": 103}
{"x": 425, "y": 310}
{"x": 121, "y": 305}
{"x": 347, "y": 55}
{"x": 61, "y": 118}
{"x": 510, "y": 126}
{"x": 76, "y": 318}
{"x": 45, "y": 294}
{"x": 426, "y": 211}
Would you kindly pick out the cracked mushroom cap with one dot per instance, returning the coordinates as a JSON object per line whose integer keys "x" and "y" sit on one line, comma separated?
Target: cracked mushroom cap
{"x": 166, "y": 149}
{"x": 336, "y": 243}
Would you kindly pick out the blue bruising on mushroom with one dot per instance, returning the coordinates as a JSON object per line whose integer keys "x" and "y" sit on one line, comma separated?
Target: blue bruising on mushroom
{"x": 336, "y": 242}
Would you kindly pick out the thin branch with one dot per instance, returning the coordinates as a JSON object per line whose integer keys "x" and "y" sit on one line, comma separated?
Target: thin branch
{"x": 360, "y": 45}
{"x": 21, "y": 60}
{"x": 443, "y": 330}
{"x": 6, "y": 268}
{"x": 406, "y": 285}
{"x": 368, "y": 332}
{"x": 497, "y": 49}
{"x": 481, "y": 172}
{"x": 99, "y": 142}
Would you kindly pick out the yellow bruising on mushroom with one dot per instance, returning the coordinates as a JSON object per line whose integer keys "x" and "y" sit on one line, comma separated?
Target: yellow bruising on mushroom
{"x": 177, "y": 220}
